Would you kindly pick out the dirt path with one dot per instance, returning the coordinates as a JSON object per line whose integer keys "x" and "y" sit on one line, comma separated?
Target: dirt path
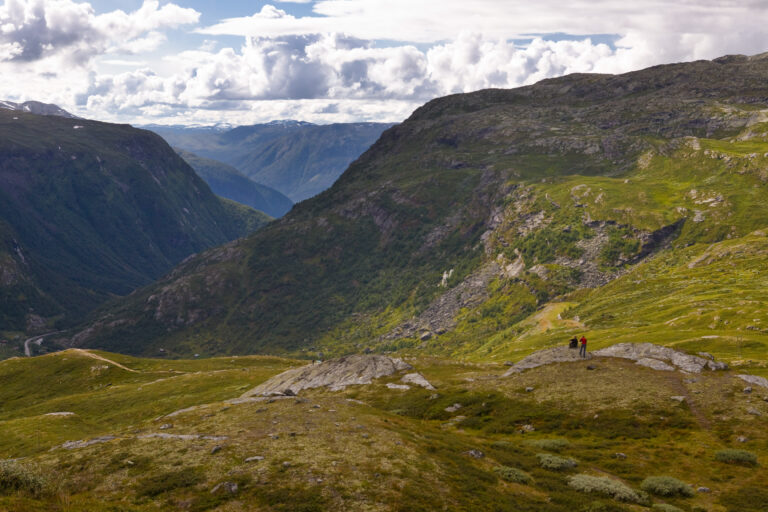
{"x": 100, "y": 358}
{"x": 682, "y": 390}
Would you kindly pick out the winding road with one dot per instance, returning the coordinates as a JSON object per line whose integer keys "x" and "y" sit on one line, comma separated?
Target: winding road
{"x": 36, "y": 340}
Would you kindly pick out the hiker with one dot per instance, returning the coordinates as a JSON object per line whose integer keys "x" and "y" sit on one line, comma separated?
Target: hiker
{"x": 583, "y": 349}
{"x": 574, "y": 343}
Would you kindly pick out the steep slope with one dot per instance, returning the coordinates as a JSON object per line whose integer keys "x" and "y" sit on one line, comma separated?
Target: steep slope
{"x": 299, "y": 159}
{"x": 226, "y": 181}
{"x": 90, "y": 209}
{"x": 461, "y": 222}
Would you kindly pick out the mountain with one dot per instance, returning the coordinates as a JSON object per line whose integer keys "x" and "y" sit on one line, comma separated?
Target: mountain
{"x": 36, "y": 107}
{"x": 488, "y": 225}
{"x": 226, "y": 181}
{"x": 89, "y": 210}
{"x": 296, "y": 158}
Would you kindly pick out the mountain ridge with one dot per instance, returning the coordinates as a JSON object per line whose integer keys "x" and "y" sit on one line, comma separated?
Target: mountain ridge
{"x": 546, "y": 185}
{"x": 297, "y": 158}
{"x": 226, "y": 181}
{"x": 37, "y": 107}
{"x": 91, "y": 209}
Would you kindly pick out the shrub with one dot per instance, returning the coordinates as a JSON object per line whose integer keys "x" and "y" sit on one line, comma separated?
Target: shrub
{"x": 15, "y": 477}
{"x": 553, "y": 445}
{"x": 515, "y": 475}
{"x": 549, "y": 461}
{"x": 664, "y": 507}
{"x": 741, "y": 457}
{"x": 666, "y": 486}
{"x": 607, "y": 487}
{"x": 153, "y": 485}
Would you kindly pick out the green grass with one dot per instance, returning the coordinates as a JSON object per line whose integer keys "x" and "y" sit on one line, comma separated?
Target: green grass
{"x": 382, "y": 450}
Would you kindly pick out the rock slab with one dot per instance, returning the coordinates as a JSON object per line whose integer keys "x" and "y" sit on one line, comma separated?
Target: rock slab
{"x": 754, "y": 380}
{"x": 335, "y": 374}
{"x": 546, "y": 356}
{"x": 417, "y": 379}
{"x": 681, "y": 360}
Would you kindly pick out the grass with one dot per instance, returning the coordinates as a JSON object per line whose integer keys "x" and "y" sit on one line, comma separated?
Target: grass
{"x": 368, "y": 446}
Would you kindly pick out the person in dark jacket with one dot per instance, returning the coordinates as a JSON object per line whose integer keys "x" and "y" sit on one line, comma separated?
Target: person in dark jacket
{"x": 583, "y": 349}
{"x": 574, "y": 343}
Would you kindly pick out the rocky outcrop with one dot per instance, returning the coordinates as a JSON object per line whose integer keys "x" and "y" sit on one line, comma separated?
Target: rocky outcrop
{"x": 440, "y": 315}
{"x": 547, "y": 356}
{"x": 417, "y": 379}
{"x": 645, "y": 354}
{"x": 754, "y": 380}
{"x": 335, "y": 374}
{"x": 655, "y": 364}
{"x": 649, "y": 351}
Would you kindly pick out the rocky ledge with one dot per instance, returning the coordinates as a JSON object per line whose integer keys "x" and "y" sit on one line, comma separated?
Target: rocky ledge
{"x": 648, "y": 354}
{"x": 644, "y": 354}
{"x": 335, "y": 374}
{"x": 547, "y": 356}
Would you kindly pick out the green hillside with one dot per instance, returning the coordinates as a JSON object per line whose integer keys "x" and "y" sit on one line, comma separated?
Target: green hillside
{"x": 296, "y": 158}
{"x": 90, "y": 430}
{"x": 587, "y": 196}
{"x": 89, "y": 210}
{"x": 226, "y": 181}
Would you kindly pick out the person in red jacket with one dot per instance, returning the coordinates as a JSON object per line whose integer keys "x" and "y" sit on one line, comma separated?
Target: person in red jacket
{"x": 583, "y": 349}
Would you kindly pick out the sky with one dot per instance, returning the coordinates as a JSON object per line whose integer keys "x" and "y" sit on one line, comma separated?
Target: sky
{"x": 235, "y": 62}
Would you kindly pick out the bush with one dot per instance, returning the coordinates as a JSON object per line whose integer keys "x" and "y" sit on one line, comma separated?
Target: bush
{"x": 741, "y": 457}
{"x": 666, "y": 486}
{"x": 663, "y": 507}
{"x": 549, "y": 461}
{"x": 607, "y": 487}
{"x": 515, "y": 475}
{"x": 15, "y": 477}
{"x": 553, "y": 445}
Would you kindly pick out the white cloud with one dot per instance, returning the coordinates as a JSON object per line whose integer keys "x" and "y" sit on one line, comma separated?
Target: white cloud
{"x": 39, "y": 29}
{"x": 701, "y": 28}
{"x": 333, "y": 66}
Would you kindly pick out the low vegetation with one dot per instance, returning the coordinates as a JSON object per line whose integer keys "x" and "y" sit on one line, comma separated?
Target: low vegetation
{"x": 740, "y": 457}
{"x": 367, "y": 446}
{"x": 513, "y": 475}
{"x": 555, "y": 463}
{"x": 666, "y": 486}
{"x": 607, "y": 487}
{"x": 19, "y": 477}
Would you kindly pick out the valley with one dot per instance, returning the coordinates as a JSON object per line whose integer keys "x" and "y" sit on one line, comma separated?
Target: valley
{"x": 398, "y": 341}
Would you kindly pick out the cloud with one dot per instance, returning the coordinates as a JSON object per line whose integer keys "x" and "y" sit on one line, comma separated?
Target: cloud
{"x": 701, "y": 28}
{"x": 361, "y": 59}
{"x": 31, "y": 30}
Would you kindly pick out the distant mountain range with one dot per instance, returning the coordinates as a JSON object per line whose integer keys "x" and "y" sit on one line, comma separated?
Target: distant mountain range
{"x": 296, "y": 158}
{"x": 89, "y": 210}
{"x": 226, "y": 181}
{"x": 36, "y": 107}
